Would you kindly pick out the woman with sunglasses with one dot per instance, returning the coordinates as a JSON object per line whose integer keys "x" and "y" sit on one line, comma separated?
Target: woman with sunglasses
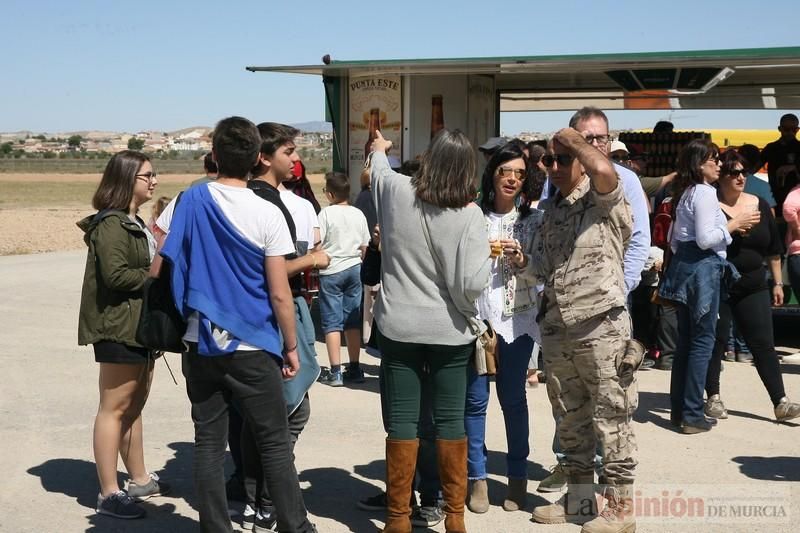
{"x": 750, "y": 299}
{"x": 121, "y": 249}
{"x": 695, "y": 276}
{"x": 508, "y": 303}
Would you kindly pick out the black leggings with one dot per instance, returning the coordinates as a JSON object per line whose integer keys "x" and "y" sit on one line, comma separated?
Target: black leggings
{"x": 753, "y": 314}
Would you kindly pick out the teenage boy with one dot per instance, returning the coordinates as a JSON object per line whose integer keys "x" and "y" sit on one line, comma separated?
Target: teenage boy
{"x": 345, "y": 235}
{"x": 226, "y": 248}
{"x": 277, "y": 157}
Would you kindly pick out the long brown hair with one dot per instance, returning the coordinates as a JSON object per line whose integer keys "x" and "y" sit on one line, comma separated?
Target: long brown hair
{"x": 116, "y": 186}
{"x": 447, "y": 171}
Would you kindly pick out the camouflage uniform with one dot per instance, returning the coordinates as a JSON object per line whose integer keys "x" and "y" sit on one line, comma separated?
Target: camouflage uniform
{"x": 578, "y": 255}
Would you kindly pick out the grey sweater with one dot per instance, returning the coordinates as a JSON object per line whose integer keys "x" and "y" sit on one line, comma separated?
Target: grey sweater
{"x": 416, "y": 303}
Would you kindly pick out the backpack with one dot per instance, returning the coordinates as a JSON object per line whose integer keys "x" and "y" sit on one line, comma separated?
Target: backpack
{"x": 662, "y": 223}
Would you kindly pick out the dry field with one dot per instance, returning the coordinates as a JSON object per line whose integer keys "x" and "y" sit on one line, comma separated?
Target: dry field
{"x": 38, "y": 212}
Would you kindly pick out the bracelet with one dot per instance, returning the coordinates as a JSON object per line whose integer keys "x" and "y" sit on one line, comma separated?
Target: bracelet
{"x": 293, "y": 348}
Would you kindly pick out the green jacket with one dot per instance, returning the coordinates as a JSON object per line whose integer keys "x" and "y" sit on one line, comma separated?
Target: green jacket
{"x": 117, "y": 266}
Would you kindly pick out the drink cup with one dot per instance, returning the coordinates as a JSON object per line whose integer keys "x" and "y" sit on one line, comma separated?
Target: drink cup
{"x": 496, "y": 248}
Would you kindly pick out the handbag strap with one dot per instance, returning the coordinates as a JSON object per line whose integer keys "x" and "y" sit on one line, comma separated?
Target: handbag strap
{"x": 477, "y": 326}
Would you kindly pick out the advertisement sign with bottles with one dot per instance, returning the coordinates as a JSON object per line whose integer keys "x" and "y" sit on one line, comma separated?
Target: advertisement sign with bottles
{"x": 375, "y": 104}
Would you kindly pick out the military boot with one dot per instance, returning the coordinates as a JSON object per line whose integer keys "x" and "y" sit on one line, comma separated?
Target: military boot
{"x": 577, "y": 506}
{"x": 617, "y": 516}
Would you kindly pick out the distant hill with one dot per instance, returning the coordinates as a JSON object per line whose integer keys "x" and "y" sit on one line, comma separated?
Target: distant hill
{"x": 314, "y": 127}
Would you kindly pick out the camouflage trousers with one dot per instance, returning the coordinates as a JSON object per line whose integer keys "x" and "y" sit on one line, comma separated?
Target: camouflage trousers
{"x": 586, "y": 395}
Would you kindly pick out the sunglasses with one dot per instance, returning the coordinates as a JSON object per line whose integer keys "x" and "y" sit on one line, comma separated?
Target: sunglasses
{"x": 504, "y": 172}
{"x": 620, "y": 158}
{"x": 714, "y": 159}
{"x": 147, "y": 176}
{"x": 563, "y": 160}
{"x": 735, "y": 173}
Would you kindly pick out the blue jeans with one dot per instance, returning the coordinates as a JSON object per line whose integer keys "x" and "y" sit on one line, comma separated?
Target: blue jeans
{"x": 690, "y": 366}
{"x": 511, "y": 380}
{"x": 340, "y": 300}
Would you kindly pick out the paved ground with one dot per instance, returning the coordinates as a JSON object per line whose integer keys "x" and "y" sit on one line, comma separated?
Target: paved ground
{"x": 49, "y": 397}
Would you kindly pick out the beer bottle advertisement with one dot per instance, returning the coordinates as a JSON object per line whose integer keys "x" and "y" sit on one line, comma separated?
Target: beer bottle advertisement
{"x": 375, "y": 104}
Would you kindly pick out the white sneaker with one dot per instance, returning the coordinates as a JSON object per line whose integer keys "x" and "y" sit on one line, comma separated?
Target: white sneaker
{"x": 793, "y": 359}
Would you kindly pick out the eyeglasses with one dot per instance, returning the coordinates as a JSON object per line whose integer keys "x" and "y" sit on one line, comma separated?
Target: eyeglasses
{"x": 563, "y": 160}
{"x": 148, "y": 177}
{"x": 504, "y": 172}
{"x": 599, "y": 139}
{"x": 621, "y": 158}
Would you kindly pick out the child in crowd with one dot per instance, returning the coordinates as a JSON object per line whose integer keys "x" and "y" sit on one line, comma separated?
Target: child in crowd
{"x": 345, "y": 235}
{"x": 158, "y": 208}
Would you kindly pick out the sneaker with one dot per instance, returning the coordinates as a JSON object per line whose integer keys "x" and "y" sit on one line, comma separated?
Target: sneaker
{"x": 730, "y": 356}
{"x": 555, "y": 482}
{"x": 715, "y": 408}
{"x": 373, "y": 503}
{"x": 119, "y": 505}
{"x": 356, "y": 375}
{"x": 265, "y": 521}
{"x": 786, "y": 410}
{"x": 248, "y": 518}
{"x": 744, "y": 357}
{"x": 647, "y": 363}
{"x": 792, "y": 359}
{"x": 427, "y": 516}
{"x": 332, "y": 379}
{"x": 154, "y": 487}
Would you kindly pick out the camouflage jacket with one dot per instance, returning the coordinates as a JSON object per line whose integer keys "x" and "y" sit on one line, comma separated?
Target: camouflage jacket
{"x": 578, "y": 254}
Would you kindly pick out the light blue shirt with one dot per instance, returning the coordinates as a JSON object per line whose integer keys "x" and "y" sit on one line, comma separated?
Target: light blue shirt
{"x": 699, "y": 218}
{"x": 639, "y": 246}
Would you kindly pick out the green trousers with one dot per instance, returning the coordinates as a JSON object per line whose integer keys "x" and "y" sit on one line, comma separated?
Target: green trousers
{"x": 404, "y": 365}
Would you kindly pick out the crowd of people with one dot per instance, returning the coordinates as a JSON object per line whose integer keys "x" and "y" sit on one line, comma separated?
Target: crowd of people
{"x": 550, "y": 248}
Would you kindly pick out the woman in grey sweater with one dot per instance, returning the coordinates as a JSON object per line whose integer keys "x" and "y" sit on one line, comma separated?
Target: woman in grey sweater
{"x": 435, "y": 263}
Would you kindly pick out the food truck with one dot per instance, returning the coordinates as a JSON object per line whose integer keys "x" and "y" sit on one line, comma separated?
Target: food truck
{"x": 409, "y": 100}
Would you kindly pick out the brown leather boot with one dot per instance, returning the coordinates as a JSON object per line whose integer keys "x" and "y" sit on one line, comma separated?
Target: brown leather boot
{"x": 452, "y": 458}
{"x": 401, "y": 462}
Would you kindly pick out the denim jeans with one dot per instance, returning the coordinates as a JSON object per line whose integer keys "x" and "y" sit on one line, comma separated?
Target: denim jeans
{"x": 340, "y": 300}
{"x": 510, "y": 381}
{"x": 690, "y": 367}
{"x": 253, "y": 379}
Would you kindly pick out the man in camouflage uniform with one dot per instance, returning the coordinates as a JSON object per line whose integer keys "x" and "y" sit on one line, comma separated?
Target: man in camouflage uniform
{"x": 578, "y": 255}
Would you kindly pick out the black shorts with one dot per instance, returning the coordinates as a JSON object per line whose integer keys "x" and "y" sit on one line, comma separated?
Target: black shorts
{"x": 115, "y": 352}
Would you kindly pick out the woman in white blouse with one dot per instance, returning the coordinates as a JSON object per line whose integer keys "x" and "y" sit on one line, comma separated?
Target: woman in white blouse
{"x": 508, "y": 303}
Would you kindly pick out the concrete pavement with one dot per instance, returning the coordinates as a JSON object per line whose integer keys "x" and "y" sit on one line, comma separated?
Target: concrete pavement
{"x": 49, "y": 397}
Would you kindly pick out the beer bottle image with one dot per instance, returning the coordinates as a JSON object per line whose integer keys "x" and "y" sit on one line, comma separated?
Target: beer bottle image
{"x": 437, "y": 114}
{"x": 374, "y": 125}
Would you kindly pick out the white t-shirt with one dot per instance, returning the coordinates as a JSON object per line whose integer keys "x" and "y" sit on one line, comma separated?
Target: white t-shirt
{"x": 343, "y": 230}
{"x": 257, "y": 220}
{"x": 304, "y": 217}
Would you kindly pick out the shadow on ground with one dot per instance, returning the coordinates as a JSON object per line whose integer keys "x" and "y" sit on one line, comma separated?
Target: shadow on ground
{"x": 77, "y": 478}
{"x": 769, "y": 468}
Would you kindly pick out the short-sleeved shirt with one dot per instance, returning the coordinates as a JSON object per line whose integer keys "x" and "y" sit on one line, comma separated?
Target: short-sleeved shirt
{"x": 343, "y": 230}
{"x": 304, "y": 217}
{"x": 578, "y": 253}
{"x": 755, "y": 185}
{"x": 780, "y": 156}
{"x": 258, "y": 221}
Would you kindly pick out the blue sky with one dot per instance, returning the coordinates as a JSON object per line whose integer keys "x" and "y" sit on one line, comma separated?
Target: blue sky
{"x": 165, "y": 65}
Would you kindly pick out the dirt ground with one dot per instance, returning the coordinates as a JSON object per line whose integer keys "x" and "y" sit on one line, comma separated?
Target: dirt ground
{"x": 40, "y": 210}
